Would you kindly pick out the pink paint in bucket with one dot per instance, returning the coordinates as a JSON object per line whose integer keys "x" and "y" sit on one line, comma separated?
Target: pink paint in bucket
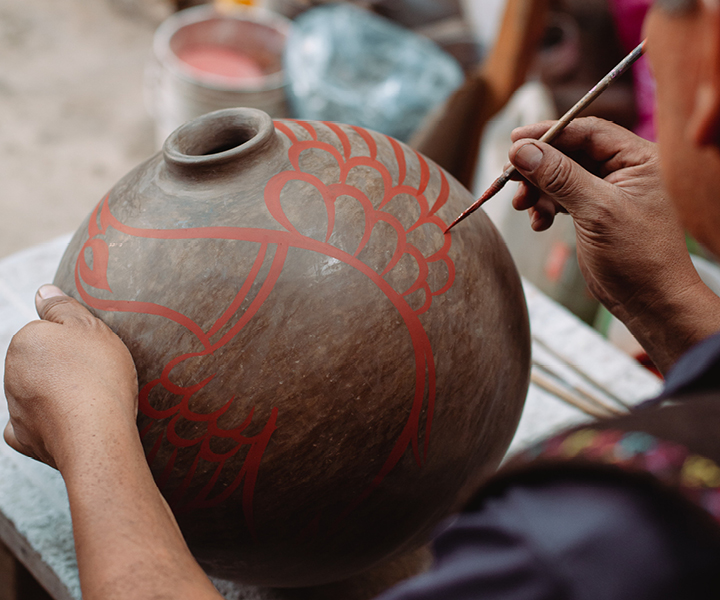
{"x": 204, "y": 60}
{"x": 223, "y": 61}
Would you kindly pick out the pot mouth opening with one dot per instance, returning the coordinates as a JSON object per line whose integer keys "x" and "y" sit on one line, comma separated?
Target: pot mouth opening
{"x": 217, "y": 142}
{"x": 219, "y": 137}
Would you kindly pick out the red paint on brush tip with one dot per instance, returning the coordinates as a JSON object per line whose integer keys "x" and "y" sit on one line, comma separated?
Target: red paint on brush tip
{"x": 489, "y": 193}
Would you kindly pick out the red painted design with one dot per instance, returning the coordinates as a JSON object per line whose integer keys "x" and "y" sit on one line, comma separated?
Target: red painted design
{"x": 281, "y": 242}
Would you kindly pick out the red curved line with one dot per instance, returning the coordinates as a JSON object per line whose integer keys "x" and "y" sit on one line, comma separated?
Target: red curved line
{"x": 272, "y": 193}
{"x": 342, "y": 189}
{"x": 165, "y": 475}
{"x": 428, "y": 299}
{"x": 183, "y": 487}
{"x": 410, "y": 191}
{"x": 424, "y": 173}
{"x": 236, "y": 432}
{"x": 297, "y": 149}
{"x": 442, "y": 252}
{"x": 208, "y": 418}
{"x": 202, "y": 495}
{"x": 273, "y": 189}
{"x": 93, "y": 228}
{"x": 400, "y": 158}
{"x": 330, "y": 207}
{"x": 140, "y": 307}
{"x": 144, "y": 431}
{"x": 369, "y": 140}
{"x": 178, "y": 389}
{"x": 451, "y": 277}
{"x": 307, "y": 126}
{"x": 419, "y": 198}
{"x": 408, "y": 436}
{"x": 371, "y": 218}
{"x": 365, "y": 161}
{"x": 242, "y": 294}
{"x": 97, "y": 276}
{"x": 253, "y": 461}
{"x": 401, "y": 242}
{"x": 249, "y": 471}
{"x": 280, "y": 126}
{"x": 421, "y": 343}
{"x": 267, "y": 286}
{"x": 206, "y": 453}
{"x": 275, "y": 270}
{"x": 342, "y": 136}
{"x": 245, "y": 234}
{"x": 144, "y": 402}
{"x": 177, "y": 440}
{"x": 156, "y": 446}
{"x": 443, "y": 195}
{"x": 422, "y": 268}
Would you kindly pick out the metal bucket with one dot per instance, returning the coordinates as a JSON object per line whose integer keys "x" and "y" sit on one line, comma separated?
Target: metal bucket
{"x": 177, "y": 92}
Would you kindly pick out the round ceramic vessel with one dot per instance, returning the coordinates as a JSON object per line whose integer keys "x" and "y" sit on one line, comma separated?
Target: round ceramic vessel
{"x": 324, "y": 373}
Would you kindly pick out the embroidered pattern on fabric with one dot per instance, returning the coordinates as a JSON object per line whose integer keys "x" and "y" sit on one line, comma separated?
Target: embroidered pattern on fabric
{"x": 696, "y": 477}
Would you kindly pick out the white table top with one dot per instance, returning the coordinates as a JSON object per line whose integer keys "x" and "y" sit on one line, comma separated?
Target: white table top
{"x": 34, "y": 513}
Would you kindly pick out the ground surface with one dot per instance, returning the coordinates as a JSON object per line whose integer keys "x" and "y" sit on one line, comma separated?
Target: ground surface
{"x": 72, "y": 117}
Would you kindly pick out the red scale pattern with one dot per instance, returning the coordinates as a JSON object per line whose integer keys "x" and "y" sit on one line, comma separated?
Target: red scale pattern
{"x": 282, "y": 241}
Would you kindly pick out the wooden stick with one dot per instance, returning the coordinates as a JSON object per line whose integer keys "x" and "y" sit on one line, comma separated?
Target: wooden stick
{"x": 548, "y": 384}
{"x": 589, "y": 378}
{"x": 591, "y": 397}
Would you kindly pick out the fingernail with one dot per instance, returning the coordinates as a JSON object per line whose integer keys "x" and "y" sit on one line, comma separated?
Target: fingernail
{"x": 528, "y": 157}
{"x": 49, "y": 291}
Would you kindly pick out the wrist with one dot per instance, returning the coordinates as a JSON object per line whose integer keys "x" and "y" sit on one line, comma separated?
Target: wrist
{"x": 672, "y": 323}
{"x": 91, "y": 440}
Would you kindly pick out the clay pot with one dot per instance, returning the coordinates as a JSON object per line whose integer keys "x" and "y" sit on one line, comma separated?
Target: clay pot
{"x": 323, "y": 373}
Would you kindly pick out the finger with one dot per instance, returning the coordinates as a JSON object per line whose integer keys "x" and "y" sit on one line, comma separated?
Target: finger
{"x": 526, "y": 196}
{"x": 54, "y": 305}
{"x": 10, "y": 439}
{"x": 534, "y": 131}
{"x": 542, "y": 215}
{"x": 600, "y": 140}
{"x": 46, "y": 292}
{"x": 557, "y": 176}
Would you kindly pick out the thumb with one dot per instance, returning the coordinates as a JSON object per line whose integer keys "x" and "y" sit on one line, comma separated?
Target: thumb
{"x": 54, "y": 305}
{"x": 11, "y": 440}
{"x": 554, "y": 174}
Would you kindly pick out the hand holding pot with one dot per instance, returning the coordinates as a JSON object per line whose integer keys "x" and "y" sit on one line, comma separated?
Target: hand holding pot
{"x": 67, "y": 377}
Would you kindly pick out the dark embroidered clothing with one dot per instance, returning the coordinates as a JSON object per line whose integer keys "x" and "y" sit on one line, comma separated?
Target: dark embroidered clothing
{"x": 623, "y": 509}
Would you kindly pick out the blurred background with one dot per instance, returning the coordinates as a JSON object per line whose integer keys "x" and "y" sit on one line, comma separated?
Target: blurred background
{"x": 88, "y": 89}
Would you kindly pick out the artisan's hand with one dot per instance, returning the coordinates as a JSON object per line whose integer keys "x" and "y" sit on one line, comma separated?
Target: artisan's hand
{"x": 630, "y": 245}
{"x": 65, "y": 377}
{"x": 72, "y": 394}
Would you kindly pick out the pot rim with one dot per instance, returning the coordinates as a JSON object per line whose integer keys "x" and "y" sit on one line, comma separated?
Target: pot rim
{"x": 219, "y": 137}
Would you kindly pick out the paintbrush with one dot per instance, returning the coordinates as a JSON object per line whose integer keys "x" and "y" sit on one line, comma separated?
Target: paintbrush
{"x": 557, "y": 129}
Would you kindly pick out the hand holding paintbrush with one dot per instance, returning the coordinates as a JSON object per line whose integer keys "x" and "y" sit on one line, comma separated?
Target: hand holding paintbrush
{"x": 557, "y": 129}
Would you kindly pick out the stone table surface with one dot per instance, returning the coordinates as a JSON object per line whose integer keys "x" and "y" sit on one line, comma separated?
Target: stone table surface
{"x": 34, "y": 513}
